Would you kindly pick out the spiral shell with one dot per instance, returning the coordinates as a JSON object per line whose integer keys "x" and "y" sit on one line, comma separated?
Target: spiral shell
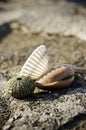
{"x": 20, "y": 86}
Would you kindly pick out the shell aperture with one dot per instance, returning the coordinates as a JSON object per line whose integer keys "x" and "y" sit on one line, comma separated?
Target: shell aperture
{"x": 37, "y": 64}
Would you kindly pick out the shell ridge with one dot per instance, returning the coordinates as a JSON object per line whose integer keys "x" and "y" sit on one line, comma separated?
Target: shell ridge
{"x": 28, "y": 69}
{"x": 37, "y": 63}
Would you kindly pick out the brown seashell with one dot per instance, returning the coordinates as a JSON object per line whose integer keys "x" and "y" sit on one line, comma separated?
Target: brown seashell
{"x": 57, "y": 78}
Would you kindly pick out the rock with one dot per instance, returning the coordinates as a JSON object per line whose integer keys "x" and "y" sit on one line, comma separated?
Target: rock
{"x": 47, "y": 110}
{"x": 4, "y": 111}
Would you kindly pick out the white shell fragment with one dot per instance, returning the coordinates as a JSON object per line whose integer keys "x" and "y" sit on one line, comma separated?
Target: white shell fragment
{"x": 37, "y": 64}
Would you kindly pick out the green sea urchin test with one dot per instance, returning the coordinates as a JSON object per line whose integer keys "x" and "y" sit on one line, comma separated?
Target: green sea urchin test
{"x": 20, "y": 86}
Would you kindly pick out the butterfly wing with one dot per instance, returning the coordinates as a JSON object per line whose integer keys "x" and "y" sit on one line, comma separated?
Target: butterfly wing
{"x": 37, "y": 64}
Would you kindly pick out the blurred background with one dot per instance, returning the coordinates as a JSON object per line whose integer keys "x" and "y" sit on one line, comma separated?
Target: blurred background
{"x": 26, "y": 24}
{"x": 60, "y": 24}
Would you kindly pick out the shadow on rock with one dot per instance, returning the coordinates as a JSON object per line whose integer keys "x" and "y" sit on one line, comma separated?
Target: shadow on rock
{"x": 79, "y": 85}
{"x": 78, "y": 123}
{"x": 4, "y": 31}
{"x": 43, "y": 96}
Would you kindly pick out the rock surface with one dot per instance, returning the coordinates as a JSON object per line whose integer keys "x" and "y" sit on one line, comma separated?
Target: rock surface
{"x": 47, "y": 110}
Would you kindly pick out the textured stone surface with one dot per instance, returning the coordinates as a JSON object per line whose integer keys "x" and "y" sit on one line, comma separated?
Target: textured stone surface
{"x": 47, "y": 110}
{"x": 4, "y": 107}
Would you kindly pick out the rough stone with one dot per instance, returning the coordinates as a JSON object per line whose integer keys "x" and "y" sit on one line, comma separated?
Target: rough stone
{"x": 47, "y": 110}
